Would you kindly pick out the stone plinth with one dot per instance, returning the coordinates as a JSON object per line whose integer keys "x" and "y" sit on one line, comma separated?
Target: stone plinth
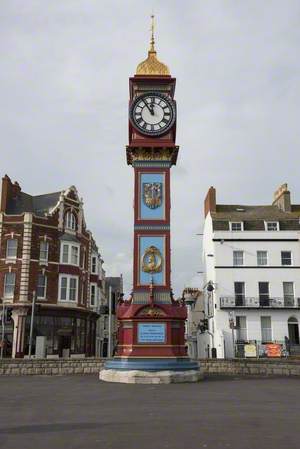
{"x": 149, "y": 377}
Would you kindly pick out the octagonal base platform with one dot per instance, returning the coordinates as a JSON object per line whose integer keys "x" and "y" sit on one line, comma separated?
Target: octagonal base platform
{"x": 150, "y": 370}
{"x": 149, "y": 377}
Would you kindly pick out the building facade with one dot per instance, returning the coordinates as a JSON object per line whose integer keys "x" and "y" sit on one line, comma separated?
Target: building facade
{"x": 194, "y": 301}
{"x": 102, "y": 307}
{"x": 252, "y": 265}
{"x": 46, "y": 251}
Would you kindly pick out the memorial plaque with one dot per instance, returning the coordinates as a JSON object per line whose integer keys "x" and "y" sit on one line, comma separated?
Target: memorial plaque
{"x": 151, "y": 332}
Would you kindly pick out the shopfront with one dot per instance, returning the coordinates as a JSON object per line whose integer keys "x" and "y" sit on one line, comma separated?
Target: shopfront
{"x": 67, "y": 332}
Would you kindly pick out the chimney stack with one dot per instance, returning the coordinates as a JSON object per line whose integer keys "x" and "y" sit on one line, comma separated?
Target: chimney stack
{"x": 282, "y": 198}
{"x": 210, "y": 201}
{"x": 9, "y": 191}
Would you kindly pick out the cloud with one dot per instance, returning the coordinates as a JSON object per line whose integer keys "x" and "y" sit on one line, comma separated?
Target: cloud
{"x": 64, "y": 72}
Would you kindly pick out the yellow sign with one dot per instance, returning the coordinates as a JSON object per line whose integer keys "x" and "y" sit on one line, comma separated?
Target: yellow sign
{"x": 250, "y": 350}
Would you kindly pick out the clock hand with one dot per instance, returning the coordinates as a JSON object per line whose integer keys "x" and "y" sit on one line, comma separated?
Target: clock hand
{"x": 152, "y": 105}
{"x": 150, "y": 109}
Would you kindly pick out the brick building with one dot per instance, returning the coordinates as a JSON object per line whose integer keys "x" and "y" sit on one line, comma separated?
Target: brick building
{"x": 46, "y": 248}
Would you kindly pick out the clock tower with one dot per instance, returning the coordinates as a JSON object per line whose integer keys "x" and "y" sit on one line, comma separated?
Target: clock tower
{"x": 151, "y": 322}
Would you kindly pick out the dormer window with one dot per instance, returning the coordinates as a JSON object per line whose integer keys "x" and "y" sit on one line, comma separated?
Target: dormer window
{"x": 236, "y": 226}
{"x": 70, "y": 221}
{"x": 271, "y": 225}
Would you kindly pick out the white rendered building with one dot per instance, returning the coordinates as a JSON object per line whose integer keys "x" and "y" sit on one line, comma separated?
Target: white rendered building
{"x": 252, "y": 261}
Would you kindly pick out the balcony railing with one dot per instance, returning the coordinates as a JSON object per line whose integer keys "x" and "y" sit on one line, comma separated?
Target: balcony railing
{"x": 253, "y": 302}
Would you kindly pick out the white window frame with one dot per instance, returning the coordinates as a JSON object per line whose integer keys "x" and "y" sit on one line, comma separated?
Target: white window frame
{"x": 69, "y": 245}
{"x": 241, "y": 330}
{"x": 93, "y": 284}
{"x": 70, "y": 221}
{"x": 16, "y": 249}
{"x": 45, "y": 287}
{"x": 267, "y": 223}
{"x": 44, "y": 260}
{"x": 266, "y": 328}
{"x": 96, "y": 264}
{"x": 236, "y": 259}
{"x": 5, "y": 294}
{"x": 68, "y": 277}
{"x": 288, "y": 296}
{"x": 286, "y": 264}
{"x": 234, "y": 223}
{"x": 267, "y": 258}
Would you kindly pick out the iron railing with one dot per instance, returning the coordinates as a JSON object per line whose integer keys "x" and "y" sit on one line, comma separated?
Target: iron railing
{"x": 255, "y": 302}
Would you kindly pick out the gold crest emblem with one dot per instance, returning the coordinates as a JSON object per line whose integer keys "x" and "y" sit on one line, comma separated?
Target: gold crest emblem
{"x": 152, "y": 260}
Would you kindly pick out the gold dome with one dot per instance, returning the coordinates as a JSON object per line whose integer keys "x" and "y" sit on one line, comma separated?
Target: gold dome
{"x": 151, "y": 65}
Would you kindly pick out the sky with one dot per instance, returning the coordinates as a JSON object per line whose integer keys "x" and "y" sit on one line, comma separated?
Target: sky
{"x": 64, "y": 72}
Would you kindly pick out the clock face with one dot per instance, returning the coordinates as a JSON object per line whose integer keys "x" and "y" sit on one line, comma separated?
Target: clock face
{"x": 153, "y": 113}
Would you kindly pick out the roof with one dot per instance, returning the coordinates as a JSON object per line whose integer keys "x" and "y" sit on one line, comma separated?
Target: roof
{"x": 254, "y": 217}
{"x": 69, "y": 238}
{"x": 39, "y": 205}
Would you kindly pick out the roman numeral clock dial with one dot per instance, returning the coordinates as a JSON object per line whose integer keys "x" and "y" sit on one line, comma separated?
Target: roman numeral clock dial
{"x": 152, "y": 113}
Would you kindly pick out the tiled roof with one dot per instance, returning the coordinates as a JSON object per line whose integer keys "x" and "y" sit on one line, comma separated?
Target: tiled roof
{"x": 254, "y": 217}
{"x": 39, "y": 205}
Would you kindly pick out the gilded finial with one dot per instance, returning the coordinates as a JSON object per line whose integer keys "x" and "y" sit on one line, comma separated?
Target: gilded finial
{"x": 152, "y": 41}
{"x": 151, "y": 65}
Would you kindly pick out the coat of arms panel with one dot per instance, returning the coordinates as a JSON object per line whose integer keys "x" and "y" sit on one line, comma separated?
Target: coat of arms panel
{"x": 152, "y": 194}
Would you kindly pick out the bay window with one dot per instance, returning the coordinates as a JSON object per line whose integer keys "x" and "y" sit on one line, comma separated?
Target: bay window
{"x": 68, "y": 288}
{"x": 69, "y": 253}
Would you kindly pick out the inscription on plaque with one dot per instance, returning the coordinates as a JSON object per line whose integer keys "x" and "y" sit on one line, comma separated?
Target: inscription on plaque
{"x": 151, "y": 332}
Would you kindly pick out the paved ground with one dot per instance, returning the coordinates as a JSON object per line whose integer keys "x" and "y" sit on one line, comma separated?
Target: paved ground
{"x": 83, "y": 413}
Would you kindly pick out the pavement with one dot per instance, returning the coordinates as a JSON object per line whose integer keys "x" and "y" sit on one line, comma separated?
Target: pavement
{"x": 80, "y": 412}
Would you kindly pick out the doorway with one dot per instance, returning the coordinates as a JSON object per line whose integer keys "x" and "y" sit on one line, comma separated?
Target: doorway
{"x": 64, "y": 346}
{"x": 293, "y": 328}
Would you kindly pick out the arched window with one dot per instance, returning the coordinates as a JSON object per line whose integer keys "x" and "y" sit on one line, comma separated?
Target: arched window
{"x": 70, "y": 221}
{"x": 292, "y": 320}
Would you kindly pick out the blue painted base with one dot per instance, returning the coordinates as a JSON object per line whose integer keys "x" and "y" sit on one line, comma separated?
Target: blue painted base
{"x": 145, "y": 364}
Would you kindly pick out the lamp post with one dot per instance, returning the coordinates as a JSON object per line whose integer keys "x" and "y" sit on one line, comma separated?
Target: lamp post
{"x": 31, "y": 323}
{"x": 210, "y": 290}
{"x": 3, "y": 328}
{"x": 109, "y": 349}
{"x": 190, "y": 297}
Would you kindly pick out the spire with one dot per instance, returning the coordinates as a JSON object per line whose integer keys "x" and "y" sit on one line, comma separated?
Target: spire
{"x": 151, "y": 65}
{"x": 152, "y": 41}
